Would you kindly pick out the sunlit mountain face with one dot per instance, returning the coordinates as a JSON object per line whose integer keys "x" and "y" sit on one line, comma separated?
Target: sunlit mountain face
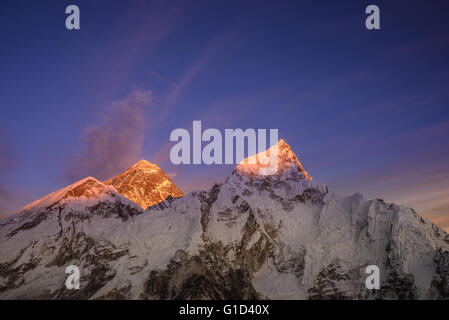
{"x": 285, "y": 162}
{"x": 145, "y": 184}
{"x": 252, "y": 236}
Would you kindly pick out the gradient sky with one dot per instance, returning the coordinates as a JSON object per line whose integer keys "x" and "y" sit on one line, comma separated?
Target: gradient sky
{"x": 365, "y": 111}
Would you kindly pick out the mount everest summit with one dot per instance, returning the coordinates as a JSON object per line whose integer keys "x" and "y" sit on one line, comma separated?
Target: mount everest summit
{"x": 284, "y": 236}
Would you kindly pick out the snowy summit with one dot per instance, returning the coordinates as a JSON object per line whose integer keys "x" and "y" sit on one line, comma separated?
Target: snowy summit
{"x": 287, "y": 162}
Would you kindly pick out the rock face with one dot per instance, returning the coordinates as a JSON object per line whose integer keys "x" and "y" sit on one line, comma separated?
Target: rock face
{"x": 145, "y": 184}
{"x": 251, "y": 237}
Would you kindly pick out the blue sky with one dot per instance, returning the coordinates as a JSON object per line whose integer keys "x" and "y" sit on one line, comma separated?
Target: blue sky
{"x": 364, "y": 110}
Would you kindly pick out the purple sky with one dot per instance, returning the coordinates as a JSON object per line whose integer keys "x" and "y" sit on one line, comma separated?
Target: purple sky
{"x": 365, "y": 111}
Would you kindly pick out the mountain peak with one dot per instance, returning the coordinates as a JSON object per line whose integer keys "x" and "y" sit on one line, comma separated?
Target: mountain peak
{"x": 282, "y": 143}
{"x": 287, "y": 161}
{"x": 145, "y": 184}
{"x": 87, "y": 188}
{"x": 143, "y": 164}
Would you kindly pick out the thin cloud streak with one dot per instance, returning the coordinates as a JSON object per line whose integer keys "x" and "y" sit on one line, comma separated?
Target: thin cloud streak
{"x": 153, "y": 22}
{"x": 115, "y": 143}
{"x": 172, "y": 98}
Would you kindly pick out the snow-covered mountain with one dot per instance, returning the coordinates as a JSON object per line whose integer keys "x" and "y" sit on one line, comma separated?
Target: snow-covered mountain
{"x": 287, "y": 164}
{"x": 251, "y": 237}
{"x": 145, "y": 184}
{"x": 68, "y": 225}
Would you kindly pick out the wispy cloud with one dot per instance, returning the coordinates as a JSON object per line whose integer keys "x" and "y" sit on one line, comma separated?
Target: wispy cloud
{"x": 162, "y": 155}
{"x": 179, "y": 86}
{"x": 149, "y": 24}
{"x": 115, "y": 143}
{"x": 171, "y": 99}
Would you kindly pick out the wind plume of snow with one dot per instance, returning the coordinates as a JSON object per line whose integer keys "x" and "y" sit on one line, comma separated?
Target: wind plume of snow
{"x": 116, "y": 142}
